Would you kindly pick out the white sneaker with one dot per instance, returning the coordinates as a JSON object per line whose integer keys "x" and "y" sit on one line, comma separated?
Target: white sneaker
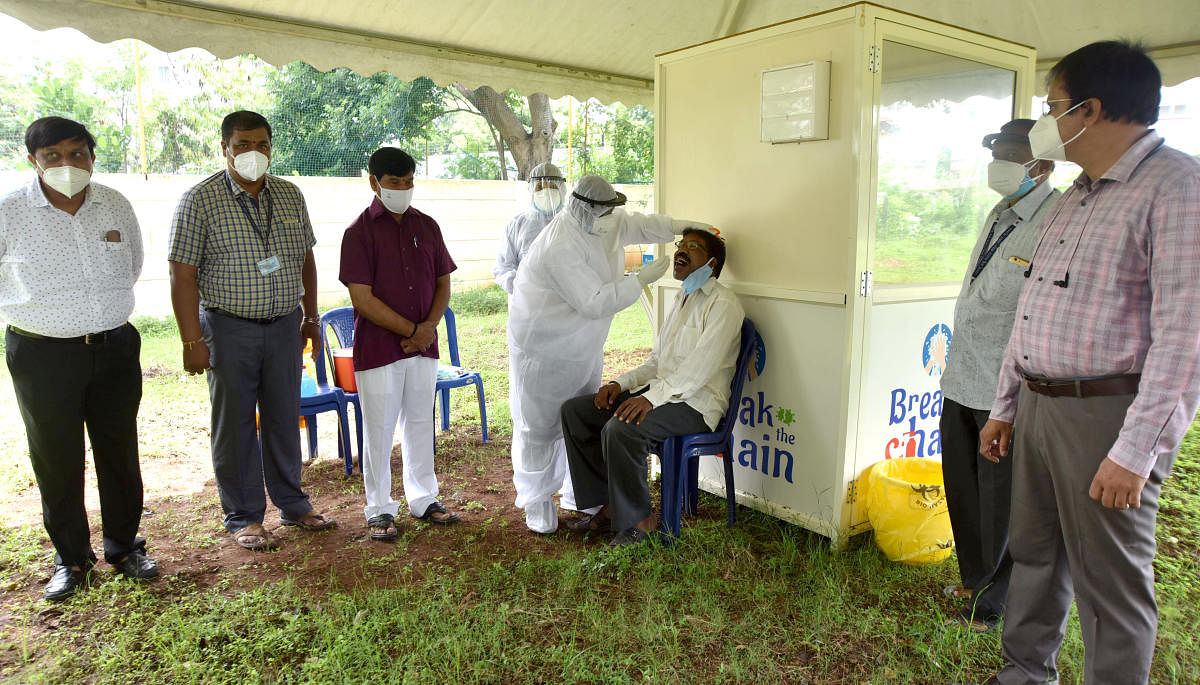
{"x": 542, "y": 517}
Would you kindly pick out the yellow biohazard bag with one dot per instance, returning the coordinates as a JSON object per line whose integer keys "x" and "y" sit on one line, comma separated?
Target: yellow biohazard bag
{"x": 906, "y": 505}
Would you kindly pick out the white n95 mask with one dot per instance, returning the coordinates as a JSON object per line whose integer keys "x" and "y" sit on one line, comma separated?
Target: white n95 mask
{"x": 1010, "y": 179}
{"x": 548, "y": 200}
{"x": 251, "y": 165}
{"x": 396, "y": 201}
{"x": 67, "y": 180}
{"x": 1045, "y": 142}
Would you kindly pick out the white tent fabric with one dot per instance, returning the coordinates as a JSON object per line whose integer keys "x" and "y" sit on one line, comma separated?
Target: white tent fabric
{"x": 602, "y": 48}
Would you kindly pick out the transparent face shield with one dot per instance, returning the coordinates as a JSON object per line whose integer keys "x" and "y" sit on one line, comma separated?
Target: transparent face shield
{"x": 547, "y": 194}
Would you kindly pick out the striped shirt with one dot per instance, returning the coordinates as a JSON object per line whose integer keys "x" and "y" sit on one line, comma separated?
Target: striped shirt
{"x": 223, "y": 231}
{"x": 1127, "y": 250}
{"x": 64, "y": 276}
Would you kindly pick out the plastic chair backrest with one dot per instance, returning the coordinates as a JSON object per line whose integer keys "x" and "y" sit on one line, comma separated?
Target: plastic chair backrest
{"x": 741, "y": 371}
{"x": 341, "y": 320}
{"x": 451, "y": 335}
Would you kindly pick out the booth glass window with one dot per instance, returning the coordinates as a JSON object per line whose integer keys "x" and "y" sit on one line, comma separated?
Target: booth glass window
{"x": 932, "y": 192}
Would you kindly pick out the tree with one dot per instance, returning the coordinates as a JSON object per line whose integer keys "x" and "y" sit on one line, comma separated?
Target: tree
{"x": 328, "y": 123}
{"x": 529, "y": 146}
{"x": 631, "y": 131}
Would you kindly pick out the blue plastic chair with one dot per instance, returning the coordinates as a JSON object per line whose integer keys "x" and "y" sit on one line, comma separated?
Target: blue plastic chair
{"x": 323, "y": 398}
{"x": 442, "y": 392}
{"x": 341, "y": 322}
{"x": 679, "y": 455}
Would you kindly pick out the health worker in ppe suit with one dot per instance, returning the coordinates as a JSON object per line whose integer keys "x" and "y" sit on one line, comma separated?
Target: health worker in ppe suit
{"x": 547, "y": 190}
{"x": 565, "y": 294}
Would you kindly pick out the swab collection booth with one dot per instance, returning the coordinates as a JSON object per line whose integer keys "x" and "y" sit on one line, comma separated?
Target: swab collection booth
{"x": 840, "y": 155}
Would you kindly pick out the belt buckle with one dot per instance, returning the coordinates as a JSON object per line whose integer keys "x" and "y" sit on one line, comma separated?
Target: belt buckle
{"x": 95, "y": 338}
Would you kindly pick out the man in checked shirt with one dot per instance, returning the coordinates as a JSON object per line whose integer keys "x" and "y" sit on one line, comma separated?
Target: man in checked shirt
{"x": 1099, "y": 379}
{"x": 244, "y": 290}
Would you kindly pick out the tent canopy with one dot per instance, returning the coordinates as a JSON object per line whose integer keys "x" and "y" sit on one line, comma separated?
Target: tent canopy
{"x": 603, "y": 48}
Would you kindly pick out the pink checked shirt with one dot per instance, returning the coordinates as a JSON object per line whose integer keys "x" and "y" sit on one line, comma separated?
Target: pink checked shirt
{"x": 1130, "y": 243}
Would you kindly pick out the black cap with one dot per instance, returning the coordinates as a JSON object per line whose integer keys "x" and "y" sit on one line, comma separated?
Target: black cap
{"x": 1015, "y": 131}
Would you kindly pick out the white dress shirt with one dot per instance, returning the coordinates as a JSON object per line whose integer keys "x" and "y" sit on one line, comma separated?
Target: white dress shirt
{"x": 695, "y": 354}
{"x": 64, "y": 276}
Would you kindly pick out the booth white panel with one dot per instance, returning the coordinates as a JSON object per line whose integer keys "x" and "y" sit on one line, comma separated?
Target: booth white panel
{"x": 789, "y": 420}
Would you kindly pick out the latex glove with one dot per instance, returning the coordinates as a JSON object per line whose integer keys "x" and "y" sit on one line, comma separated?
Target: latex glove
{"x": 654, "y": 270}
{"x": 679, "y": 225}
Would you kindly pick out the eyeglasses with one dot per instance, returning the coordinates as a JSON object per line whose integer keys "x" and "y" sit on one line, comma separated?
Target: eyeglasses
{"x": 1048, "y": 108}
{"x": 692, "y": 245}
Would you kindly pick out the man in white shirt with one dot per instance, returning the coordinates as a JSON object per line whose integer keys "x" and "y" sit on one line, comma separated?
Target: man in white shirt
{"x": 70, "y": 252}
{"x": 682, "y": 388}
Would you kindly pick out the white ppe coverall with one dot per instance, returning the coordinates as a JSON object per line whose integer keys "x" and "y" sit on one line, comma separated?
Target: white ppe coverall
{"x": 566, "y": 292}
{"x": 518, "y": 238}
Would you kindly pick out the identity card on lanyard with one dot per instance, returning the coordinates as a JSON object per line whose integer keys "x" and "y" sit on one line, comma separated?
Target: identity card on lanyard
{"x": 271, "y": 264}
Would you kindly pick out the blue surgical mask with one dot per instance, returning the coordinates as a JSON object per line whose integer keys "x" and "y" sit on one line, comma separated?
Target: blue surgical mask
{"x": 696, "y": 279}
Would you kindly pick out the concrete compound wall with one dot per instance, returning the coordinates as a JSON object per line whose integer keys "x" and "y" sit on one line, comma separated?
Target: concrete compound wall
{"x": 472, "y": 215}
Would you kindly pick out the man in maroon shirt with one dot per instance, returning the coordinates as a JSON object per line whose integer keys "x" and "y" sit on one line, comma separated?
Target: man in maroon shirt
{"x": 395, "y": 264}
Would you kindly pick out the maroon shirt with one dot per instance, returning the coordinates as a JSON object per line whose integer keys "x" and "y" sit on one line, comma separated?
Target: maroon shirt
{"x": 401, "y": 261}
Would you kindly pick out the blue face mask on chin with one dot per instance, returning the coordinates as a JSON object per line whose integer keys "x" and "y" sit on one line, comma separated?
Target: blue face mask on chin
{"x": 696, "y": 279}
{"x": 1027, "y": 185}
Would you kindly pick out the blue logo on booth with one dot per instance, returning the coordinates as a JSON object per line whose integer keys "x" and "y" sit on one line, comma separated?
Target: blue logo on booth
{"x": 936, "y": 350}
{"x": 760, "y": 358}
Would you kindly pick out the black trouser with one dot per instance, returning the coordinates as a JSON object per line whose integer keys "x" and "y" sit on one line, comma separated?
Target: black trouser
{"x": 978, "y": 496}
{"x": 608, "y": 456}
{"x": 61, "y": 387}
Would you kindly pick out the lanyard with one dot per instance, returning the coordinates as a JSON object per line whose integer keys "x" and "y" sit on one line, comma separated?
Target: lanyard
{"x": 265, "y": 237}
{"x": 989, "y": 249}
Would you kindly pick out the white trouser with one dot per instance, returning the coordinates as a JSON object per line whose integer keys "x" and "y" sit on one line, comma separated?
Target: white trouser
{"x": 537, "y": 390}
{"x": 401, "y": 391}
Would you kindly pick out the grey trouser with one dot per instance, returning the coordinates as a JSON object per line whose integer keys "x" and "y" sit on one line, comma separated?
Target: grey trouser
{"x": 1064, "y": 545}
{"x": 607, "y": 456}
{"x": 255, "y": 366}
{"x": 978, "y": 493}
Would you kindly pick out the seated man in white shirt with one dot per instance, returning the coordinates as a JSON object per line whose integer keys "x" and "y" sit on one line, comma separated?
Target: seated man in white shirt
{"x": 682, "y": 388}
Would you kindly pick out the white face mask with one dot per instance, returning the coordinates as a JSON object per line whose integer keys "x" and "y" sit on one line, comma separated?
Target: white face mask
{"x": 1010, "y": 179}
{"x": 548, "y": 200}
{"x": 603, "y": 224}
{"x": 396, "y": 201}
{"x": 1046, "y": 142}
{"x": 67, "y": 180}
{"x": 251, "y": 165}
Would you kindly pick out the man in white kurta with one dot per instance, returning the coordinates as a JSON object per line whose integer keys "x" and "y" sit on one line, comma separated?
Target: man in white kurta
{"x": 566, "y": 292}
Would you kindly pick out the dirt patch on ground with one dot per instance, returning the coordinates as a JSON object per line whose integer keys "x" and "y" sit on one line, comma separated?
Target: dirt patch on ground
{"x": 182, "y": 525}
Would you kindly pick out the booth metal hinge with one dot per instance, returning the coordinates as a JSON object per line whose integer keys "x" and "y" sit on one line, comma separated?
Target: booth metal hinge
{"x": 874, "y": 59}
{"x": 864, "y": 283}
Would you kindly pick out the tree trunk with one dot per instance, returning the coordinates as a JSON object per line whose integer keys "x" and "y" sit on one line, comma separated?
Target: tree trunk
{"x": 529, "y": 148}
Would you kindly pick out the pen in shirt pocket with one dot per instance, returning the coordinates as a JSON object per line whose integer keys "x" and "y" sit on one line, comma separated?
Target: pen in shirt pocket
{"x": 414, "y": 241}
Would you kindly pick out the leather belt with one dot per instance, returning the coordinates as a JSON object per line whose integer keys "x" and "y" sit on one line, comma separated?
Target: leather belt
{"x": 89, "y": 339}
{"x": 261, "y": 322}
{"x": 1124, "y": 384}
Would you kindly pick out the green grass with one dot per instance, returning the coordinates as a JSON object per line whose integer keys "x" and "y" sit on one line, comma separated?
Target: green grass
{"x": 763, "y": 602}
{"x": 930, "y": 260}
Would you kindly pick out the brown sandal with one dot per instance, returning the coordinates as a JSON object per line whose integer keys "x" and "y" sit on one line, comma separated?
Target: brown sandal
{"x": 244, "y": 537}
{"x": 598, "y": 522}
{"x": 312, "y": 521}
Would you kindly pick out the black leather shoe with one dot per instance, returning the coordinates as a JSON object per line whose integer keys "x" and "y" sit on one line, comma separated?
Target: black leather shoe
{"x": 64, "y": 582}
{"x": 137, "y": 566}
{"x": 629, "y": 536}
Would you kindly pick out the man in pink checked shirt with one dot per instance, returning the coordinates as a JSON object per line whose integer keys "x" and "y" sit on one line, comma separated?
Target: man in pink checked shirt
{"x": 1099, "y": 379}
